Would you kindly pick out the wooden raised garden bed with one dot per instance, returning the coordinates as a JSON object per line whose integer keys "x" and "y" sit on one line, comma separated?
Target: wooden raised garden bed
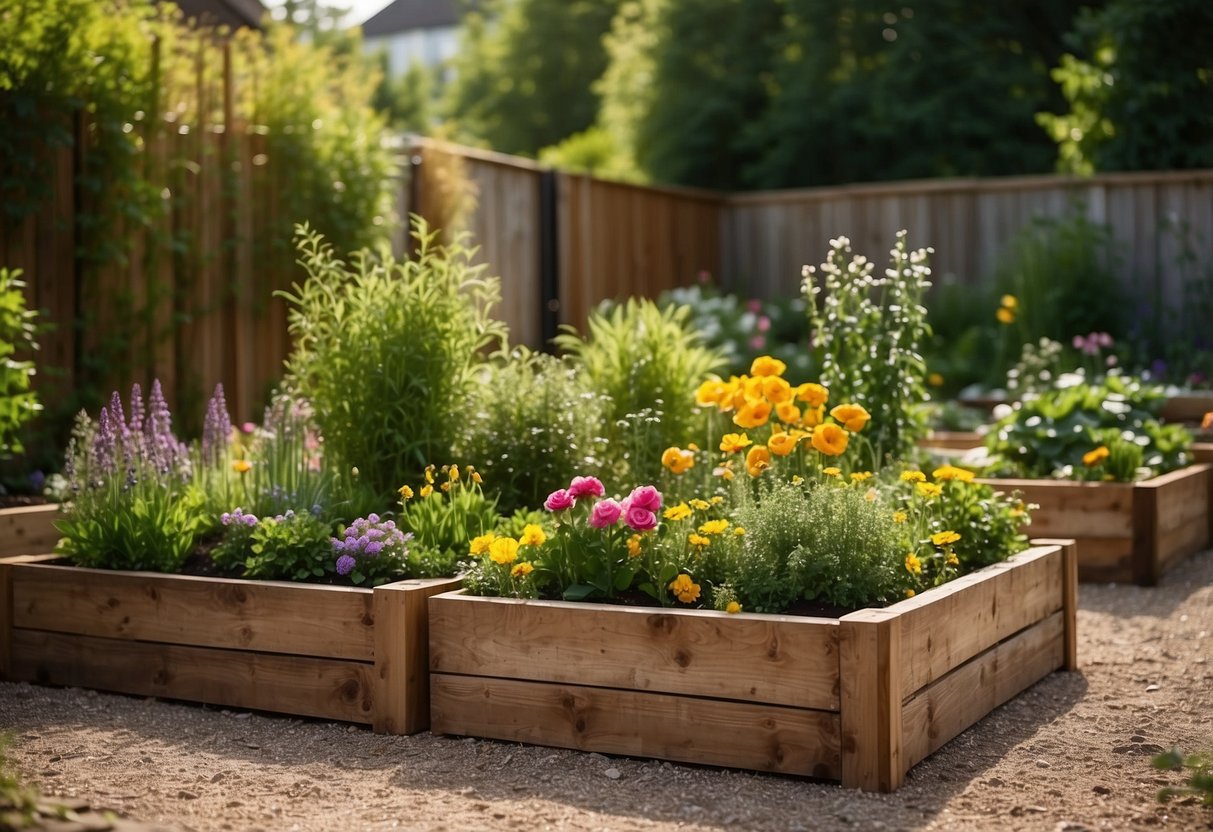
{"x": 952, "y": 440}
{"x": 859, "y": 699}
{"x": 1202, "y": 451}
{"x": 342, "y": 653}
{"x": 1126, "y": 532}
{"x": 29, "y": 530}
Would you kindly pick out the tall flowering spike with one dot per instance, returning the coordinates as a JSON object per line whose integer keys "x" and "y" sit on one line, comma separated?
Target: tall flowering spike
{"x": 117, "y": 417}
{"x": 104, "y": 443}
{"x": 158, "y": 431}
{"x": 217, "y": 428}
{"x": 137, "y": 415}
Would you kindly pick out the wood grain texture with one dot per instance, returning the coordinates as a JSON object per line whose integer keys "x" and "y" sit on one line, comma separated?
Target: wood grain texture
{"x": 1069, "y": 549}
{"x": 780, "y": 660}
{"x": 1202, "y": 451}
{"x": 322, "y": 688}
{"x": 958, "y": 700}
{"x": 402, "y": 702}
{"x": 302, "y": 619}
{"x": 951, "y": 624}
{"x": 959, "y": 440}
{"x": 870, "y": 658}
{"x": 29, "y": 530}
{"x": 661, "y": 726}
{"x": 1075, "y": 509}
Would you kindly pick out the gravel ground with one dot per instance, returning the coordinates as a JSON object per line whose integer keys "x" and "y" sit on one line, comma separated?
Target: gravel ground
{"x": 1072, "y": 753}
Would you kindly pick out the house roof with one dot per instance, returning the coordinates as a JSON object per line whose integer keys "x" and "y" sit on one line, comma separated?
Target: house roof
{"x": 233, "y": 13}
{"x": 403, "y": 15}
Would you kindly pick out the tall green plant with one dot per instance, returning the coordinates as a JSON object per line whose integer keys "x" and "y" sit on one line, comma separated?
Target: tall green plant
{"x": 648, "y": 361}
{"x": 870, "y": 329}
{"x": 386, "y": 350}
{"x": 18, "y": 403}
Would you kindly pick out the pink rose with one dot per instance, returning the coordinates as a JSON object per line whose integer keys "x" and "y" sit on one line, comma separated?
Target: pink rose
{"x": 646, "y": 497}
{"x": 640, "y": 519}
{"x": 605, "y": 513}
{"x": 559, "y": 500}
{"x": 586, "y": 487}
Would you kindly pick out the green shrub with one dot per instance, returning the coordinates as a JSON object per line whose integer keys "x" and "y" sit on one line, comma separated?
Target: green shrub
{"x": 387, "y": 351}
{"x": 286, "y": 547}
{"x": 18, "y": 403}
{"x": 648, "y": 362}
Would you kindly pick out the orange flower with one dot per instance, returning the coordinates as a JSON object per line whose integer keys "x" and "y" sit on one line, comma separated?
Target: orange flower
{"x": 787, "y": 412}
{"x": 241, "y": 466}
{"x": 852, "y": 416}
{"x": 711, "y": 392}
{"x": 812, "y": 394}
{"x": 753, "y": 414}
{"x": 1093, "y": 458}
{"x": 830, "y": 439}
{"x": 757, "y": 460}
{"x": 732, "y": 443}
{"x": 814, "y": 416}
{"x": 678, "y": 460}
{"x": 1207, "y": 421}
{"x": 781, "y": 444}
{"x": 765, "y": 365}
{"x": 776, "y": 390}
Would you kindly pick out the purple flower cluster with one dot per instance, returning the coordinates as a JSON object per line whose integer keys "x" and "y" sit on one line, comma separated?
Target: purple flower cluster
{"x": 237, "y": 517}
{"x": 143, "y": 448}
{"x": 368, "y": 538}
{"x": 216, "y": 428}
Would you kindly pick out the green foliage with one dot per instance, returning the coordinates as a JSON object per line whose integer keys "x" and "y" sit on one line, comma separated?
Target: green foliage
{"x": 595, "y": 152}
{"x": 18, "y": 403}
{"x": 648, "y": 362}
{"x": 529, "y": 424}
{"x": 1200, "y": 775}
{"x": 1140, "y": 91}
{"x": 1175, "y": 342}
{"x": 870, "y": 330}
{"x": 1051, "y": 434}
{"x": 990, "y": 523}
{"x": 406, "y": 100}
{"x": 387, "y": 351}
{"x": 444, "y": 515}
{"x": 523, "y": 74}
{"x": 18, "y": 801}
{"x": 290, "y": 547}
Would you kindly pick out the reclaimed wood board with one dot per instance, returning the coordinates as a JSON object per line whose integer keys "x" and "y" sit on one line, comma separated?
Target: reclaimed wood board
{"x": 29, "y": 530}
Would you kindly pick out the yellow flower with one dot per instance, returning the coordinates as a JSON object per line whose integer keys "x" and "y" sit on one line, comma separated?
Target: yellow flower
{"x": 813, "y": 416}
{"x": 453, "y": 473}
{"x": 952, "y": 559}
{"x": 427, "y": 490}
{"x": 753, "y": 414}
{"x": 935, "y": 380}
{"x": 679, "y": 512}
{"x": 781, "y": 444}
{"x": 910, "y": 593}
{"x": 757, "y": 460}
{"x": 725, "y": 472}
{"x": 944, "y": 538}
{"x": 928, "y": 489}
{"x": 1207, "y": 421}
{"x": 714, "y": 527}
{"x": 691, "y": 446}
{"x": 532, "y": 535}
{"x": 913, "y": 564}
{"x": 1010, "y": 302}
{"x": 830, "y": 439}
{"x": 698, "y": 540}
{"x": 521, "y": 570}
{"x": 913, "y": 476}
{"x": 634, "y": 546}
{"x": 951, "y": 472}
{"x": 899, "y": 517}
{"x": 406, "y": 493}
{"x": 861, "y": 476}
{"x": 429, "y": 474}
{"x": 481, "y": 544}
{"x": 716, "y": 500}
{"x": 700, "y": 505}
{"x": 711, "y": 392}
{"x": 684, "y": 589}
{"x": 241, "y": 466}
{"x": 852, "y": 416}
{"x": 445, "y": 486}
{"x": 797, "y": 479}
{"x": 1093, "y": 458}
{"x": 739, "y": 531}
{"x": 1005, "y": 315}
{"x": 832, "y": 471}
{"x": 503, "y": 550}
{"x": 776, "y": 390}
{"x": 677, "y": 460}
{"x": 733, "y": 608}
{"x": 812, "y": 394}
{"x": 476, "y": 478}
{"x": 732, "y": 443}
{"x": 765, "y": 365}
{"x": 787, "y": 412}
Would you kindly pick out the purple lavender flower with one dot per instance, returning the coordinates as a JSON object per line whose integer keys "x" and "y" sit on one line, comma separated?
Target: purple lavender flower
{"x": 117, "y": 417}
{"x": 137, "y": 414}
{"x": 105, "y": 443}
{"x": 345, "y": 565}
{"x": 217, "y": 428}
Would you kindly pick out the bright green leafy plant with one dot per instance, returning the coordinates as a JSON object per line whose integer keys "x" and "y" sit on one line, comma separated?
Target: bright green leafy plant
{"x": 18, "y": 403}
{"x": 1200, "y": 769}
{"x": 443, "y": 514}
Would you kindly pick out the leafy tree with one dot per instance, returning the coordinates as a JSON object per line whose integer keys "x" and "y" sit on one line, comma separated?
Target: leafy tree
{"x": 1142, "y": 97}
{"x": 405, "y": 100}
{"x": 524, "y": 73}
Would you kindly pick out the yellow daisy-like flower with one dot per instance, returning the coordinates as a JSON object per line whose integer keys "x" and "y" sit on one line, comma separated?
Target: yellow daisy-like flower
{"x": 677, "y": 460}
{"x": 242, "y": 466}
{"x": 812, "y": 394}
{"x": 757, "y": 460}
{"x": 797, "y": 479}
{"x": 861, "y": 476}
{"x": 899, "y": 517}
{"x": 521, "y": 570}
{"x": 787, "y": 412}
{"x": 913, "y": 476}
{"x": 732, "y": 443}
{"x": 406, "y": 493}
{"x": 532, "y": 535}
{"x": 832, "y": 471}
{"x": 765, "y": 365}
{"x": 1093, "y": 458}
{"x": 679, "y": 512}
{"x": 711, "y": 392}
{"x": 634, "y": 546}
{"x": 1005, "y": 315}
{"x": 1010, "y": 301}
{"x": 913, "y": 564}
{"x": 739, "y": 531}
{"x": 481, "y": 544}
{"x": 781, "y": 444}
{"x": 852, "y": 416}
{"x": 910, "y": 593}
{"x": 716, "y": 500}
{"x": 684, "y": 589}
{"x": 951, "y": 472}
{"x": 427, "y": 490}
{"x": 698, "y": 540}
{"x": 700, "y": 505}
{"x": 944, "y": 538}
{"x": 928, "y": 489}
{"x": 733, "y": 608}
{"x": 753, "y": 414}
{"x": 830, "y": 439}
{"x": 503, "y": 550}
{"x": 714, "y": 527}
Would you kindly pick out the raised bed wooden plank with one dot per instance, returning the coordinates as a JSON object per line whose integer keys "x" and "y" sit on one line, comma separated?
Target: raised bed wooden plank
{"x": 269, "y": 616}
{"x": 779, "y": 660}
{"x": 323, "y": 688}
{"x": 951, "y": 704}
{"x": 29, "y": 529}
{"x": 737, "y": 734}
{"x": 1075, "y": 509}
{"x": 1202, "y": 451}
{"x": 870, "y": 667}
{"x": 958, "y": 440}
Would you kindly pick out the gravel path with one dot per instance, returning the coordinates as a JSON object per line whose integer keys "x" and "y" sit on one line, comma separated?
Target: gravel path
{"x": 1072, "y": 753}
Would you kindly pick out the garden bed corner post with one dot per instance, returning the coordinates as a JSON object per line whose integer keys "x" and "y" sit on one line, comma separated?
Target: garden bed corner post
{"x": 870, "y": 658}
{"x": 402, "y": 692}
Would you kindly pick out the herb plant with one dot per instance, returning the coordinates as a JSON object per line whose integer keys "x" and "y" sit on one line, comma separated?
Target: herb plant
{"x": 18, "y": 402}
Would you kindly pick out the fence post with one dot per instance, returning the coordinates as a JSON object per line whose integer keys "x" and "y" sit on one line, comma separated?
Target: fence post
{"x": 549, "y": 256}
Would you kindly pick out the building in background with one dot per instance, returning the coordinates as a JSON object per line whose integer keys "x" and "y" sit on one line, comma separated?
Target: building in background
{"x": 414, "y": 32}
{"x": 234, "y": 13}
